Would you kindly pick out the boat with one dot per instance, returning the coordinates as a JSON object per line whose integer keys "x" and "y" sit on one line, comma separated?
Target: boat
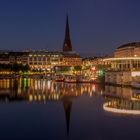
{"x": 70, "y": 79}
{"x": 59, "y": 78}
{"x": 83, "y": 79}
{"x": 135, "y": 84}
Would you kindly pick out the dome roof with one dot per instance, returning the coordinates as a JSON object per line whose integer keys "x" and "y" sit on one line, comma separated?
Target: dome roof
{"x": 132, "y": 44}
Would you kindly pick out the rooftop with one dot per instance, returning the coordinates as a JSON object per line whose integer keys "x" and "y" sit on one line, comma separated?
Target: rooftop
{"x": 132, "y": 44}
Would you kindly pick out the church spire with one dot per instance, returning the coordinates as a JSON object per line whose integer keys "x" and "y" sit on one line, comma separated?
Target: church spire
{"x": 67, "y": 46}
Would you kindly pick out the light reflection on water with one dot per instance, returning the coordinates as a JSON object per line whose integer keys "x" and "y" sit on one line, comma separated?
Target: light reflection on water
{"x": 122, "y": 100}
{"x": 41, "y": 89}
{"x": 42, "y": 109}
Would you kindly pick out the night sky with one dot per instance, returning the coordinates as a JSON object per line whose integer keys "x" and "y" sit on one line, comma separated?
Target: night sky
{"x": 97, "y": 26}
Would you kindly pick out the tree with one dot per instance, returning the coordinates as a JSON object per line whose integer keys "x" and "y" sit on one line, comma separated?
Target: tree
{"x": 77, "y": 68}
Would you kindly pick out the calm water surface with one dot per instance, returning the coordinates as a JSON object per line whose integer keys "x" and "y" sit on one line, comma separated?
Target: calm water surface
{"x": 45, "y": 110}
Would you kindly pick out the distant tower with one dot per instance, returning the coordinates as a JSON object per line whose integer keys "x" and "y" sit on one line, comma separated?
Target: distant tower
{"x": 67, "y": 46}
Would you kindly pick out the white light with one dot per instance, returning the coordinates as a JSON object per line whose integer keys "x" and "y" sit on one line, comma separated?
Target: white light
{"x": 135, "y": 73}
{"x": 122, "y": 58}
{"x": 121, "y": 111}
{"x": 49, "y": 85}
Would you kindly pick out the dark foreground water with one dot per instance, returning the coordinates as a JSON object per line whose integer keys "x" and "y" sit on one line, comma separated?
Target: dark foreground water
{"x": 45, "y": 110}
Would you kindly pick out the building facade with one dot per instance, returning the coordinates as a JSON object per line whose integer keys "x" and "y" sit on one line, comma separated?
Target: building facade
{"x": 4, "y": 57}
{"x": 44, "y": 60}
{"x": 41, "y": 60}
{"x": 128, "y": 50}
{"x": 95, "y": 61}
{"x": 48, "y": 60}
{"x": 125, "y": 65}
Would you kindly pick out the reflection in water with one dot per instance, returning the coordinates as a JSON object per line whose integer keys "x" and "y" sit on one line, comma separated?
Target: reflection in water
{"x": 48, "y": 110}
{"x": 120, "y": 92}
{"x": 122, "y": 100}
{"x": 124, "y": 104}
{"x": 42, "y": 90}
{"x": 67, "y": 103}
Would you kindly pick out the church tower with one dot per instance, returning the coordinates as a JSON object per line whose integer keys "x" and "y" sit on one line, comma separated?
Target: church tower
{"x": 67, "y": 46}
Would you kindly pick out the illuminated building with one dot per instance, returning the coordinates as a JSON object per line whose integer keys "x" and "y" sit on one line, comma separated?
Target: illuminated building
{"x": 43, "y": 60}
{"x": 47, "y": 60}
{"x": 4, "y": 57}
{"x": 71, "y": 59}
{"x": 15, "y": 57}
{"x": 11, "y": 57}
{"x": 94, "y": 66}
{"x": 128, "y": 50}
{"x": 94, "y": 61}
{"x": 125, "y": 65}
{"x": 126, "y": 57}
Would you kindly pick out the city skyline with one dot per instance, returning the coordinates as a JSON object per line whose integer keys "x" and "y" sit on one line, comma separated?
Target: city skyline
{"x": 98, "y": 29}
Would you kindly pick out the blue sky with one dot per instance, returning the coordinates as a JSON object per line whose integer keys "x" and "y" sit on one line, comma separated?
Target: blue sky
{"x": 96, "y": 26}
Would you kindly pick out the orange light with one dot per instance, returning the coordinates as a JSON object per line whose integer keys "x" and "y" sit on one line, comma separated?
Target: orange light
{"x": 93, "y": 68}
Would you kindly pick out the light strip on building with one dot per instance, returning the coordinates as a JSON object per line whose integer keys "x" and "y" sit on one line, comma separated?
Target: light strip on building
{"x": 122, "y": 58}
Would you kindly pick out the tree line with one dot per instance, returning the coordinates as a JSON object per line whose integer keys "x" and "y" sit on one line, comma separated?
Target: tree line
{"x": 14, "y": 67}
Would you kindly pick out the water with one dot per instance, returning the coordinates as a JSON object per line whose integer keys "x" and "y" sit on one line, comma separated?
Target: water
{"x": 41, "y": 109}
